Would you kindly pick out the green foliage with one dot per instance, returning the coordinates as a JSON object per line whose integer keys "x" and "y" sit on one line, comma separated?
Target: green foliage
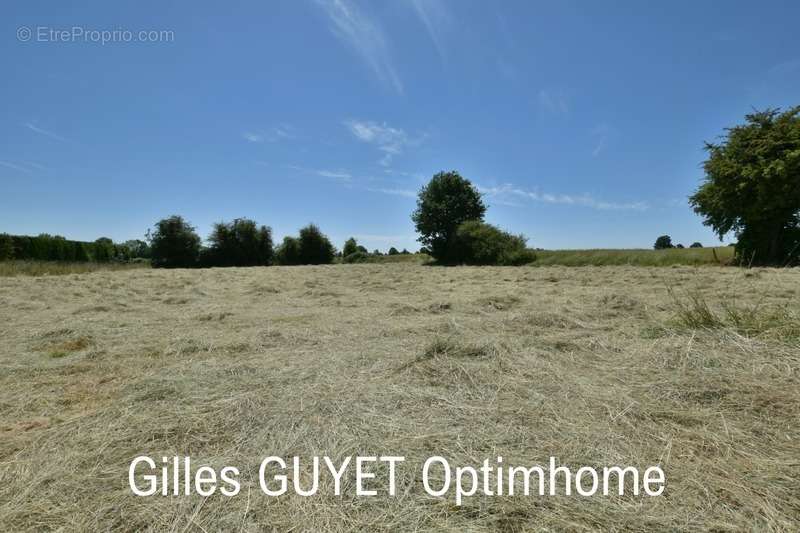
{"x": 696, "y": 245}
{"x": 6, "y": 247}
{"x": 479, "y": 243}
{"x": 356, "y": 257}
{"x": 288, "y": 252}
{"x": 393, "y": 251}
{"x": 663, "y": 243}
{"x": 103, "y": 250}
{"x": 443, "y": 205}
{"x": 174, "y": 243}
{"x": 350, "y": 247}
{"x": 133, "y": 249}
{"x": 315, "y": 247}
{"x": 721, "y": 255}
{"x": 751, "y": 187}
{"x": 239, "y": 243}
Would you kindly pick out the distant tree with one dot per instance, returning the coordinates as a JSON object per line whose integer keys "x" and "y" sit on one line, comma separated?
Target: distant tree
{"x": 350, "y": 247}
{"x": 424, "y": 250}
{"x": 103, "y": 250}
{"x": 81, "y": 255}
{"x": 288, "y": 253}
{"x": 6, "y": 247}
{"x": 362, "y": 249}
{"x": 443, "y": 205}
{"x": 405, "y": 252}
{"x": 240, "y": 243}
{"x": 696, "y": 245}
{"x": 752, "y": 186}
{"x": 376, "y": 252}
{"x": 315, "y": 247}
{"x": 393, "y": 251}
{"x": 135, "y": 248}
{"x": 479, "y": 243}
{"x": 356, "y": 257}
{"x": 663, "y": 242}
{"x": 173, "y": 243}
{"x": 679, "y": 245}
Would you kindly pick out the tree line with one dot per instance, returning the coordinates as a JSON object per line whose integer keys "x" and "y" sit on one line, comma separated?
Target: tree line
{"x": 45, "y": 247}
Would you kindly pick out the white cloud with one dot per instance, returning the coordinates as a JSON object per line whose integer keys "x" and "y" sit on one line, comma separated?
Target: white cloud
{"x": 274, "y": 134}
{"x": 44, "y": 132}
{"x": 436, "y": 18}
{"x": 363, "y": 33}
{"x": 391, "y": 141}
{"x": 553, "y": 102}
{"x": 584, "y": 200}
{"x": 340, "y": 175}
{"x": 13, "y": 166}
{"x": 408, "y": 193}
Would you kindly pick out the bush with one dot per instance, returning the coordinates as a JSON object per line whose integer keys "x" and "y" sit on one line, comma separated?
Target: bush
{"x": 239, "y": 243}
{"x": 696, "y": 245}
{"x": 443, "y": 205}
{"x": 662, "y": 243}
{"x": 479, "y": 243}
{"x": 356, "y": 257}
{"x": 393, "y": 251}
{"x": 288, "y": 252}
{"x": 315, "y": 247}
{"x": 350, "y": 247}
{"x": 6, "y": 247}
{"x": 174, "y": 244}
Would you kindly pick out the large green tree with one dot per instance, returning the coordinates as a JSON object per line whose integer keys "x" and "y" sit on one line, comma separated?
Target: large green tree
{"x": 752, "y": 187}
{"x": 240, "y": 243}
{"x": 173, "y": 243}
{"x": 446, "y": 202}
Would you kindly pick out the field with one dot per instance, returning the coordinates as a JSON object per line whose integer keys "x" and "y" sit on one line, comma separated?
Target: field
{"x": 693, "y": 369}
{"x": 638, "y": 257}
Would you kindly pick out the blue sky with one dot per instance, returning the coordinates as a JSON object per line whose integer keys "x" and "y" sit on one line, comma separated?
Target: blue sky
{"x": 582, "y": 122}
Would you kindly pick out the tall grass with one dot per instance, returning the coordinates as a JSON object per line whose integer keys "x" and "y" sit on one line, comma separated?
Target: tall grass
{"x": 58, "y": 268}
{"x": 721, "y": 255}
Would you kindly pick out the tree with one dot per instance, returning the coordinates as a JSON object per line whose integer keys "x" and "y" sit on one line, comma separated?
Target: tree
{"x": 135, "y": 248}
{"x": 103, "y": 250}
{"x": 6, "y": 247}
{"x": 752, "y": 186}
{"x": 315, "y": 247}
{"x": 479, "y": 243}
{"x": 288, "y": 252}
{"x": 173, "y": 243}
{"x": 679, "y": 246}
{"x": 240, "y": 243}
{"x": 393, "y": 251}
{"x": 443, "y": 204}
{"x": 350, "y": 247}
{"x": 663, "y": 242}
{"x": 696, "y": 245}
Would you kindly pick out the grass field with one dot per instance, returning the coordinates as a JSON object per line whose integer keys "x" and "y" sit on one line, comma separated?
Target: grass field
{"x": 693, "y": 369}
{"x": 58, "y": 268}
{"x": 720, "y": 255}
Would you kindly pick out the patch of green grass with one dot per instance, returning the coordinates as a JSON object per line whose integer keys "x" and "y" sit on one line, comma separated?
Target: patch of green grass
{"x": 58, "y": 268}
{"x": 721, "y": 255}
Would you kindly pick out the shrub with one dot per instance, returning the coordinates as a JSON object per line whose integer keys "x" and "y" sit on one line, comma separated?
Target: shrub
{"x": 174, "y": 243}
{"x": 356, "y": 257}
{"x": 315, "y": 247}
{"x": 679, "y": 246}
{"x": 662, "y": 243}
{"x": 239, "y": 243}
{"x": 696, "y": 245}
{"x": 6, "y": 247}
{"x": 288, "y": 252}
{"x": 443, "y": 205}
{"x": 103, "y": 250}
{"x": 350, "y": 247}
{"x": 479, "y": 243}
{"x": 393, "y": 251}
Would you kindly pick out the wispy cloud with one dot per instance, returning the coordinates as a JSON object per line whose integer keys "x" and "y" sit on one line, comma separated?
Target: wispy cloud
{"x": 354, "y": 27}
{"x": 274, "y": 134}
{"x": 584, "y": 200}
{"x": 553, "y": 102}
{"x": 44, "y": 132}
{"x": 600, "y": 134}
{"x": 436, "y": 18}
{"x": 391, "y": 141}
{"x": 340, "y": 175}
{"x": 14, "y": 166}
{"x": 408, "y": 193}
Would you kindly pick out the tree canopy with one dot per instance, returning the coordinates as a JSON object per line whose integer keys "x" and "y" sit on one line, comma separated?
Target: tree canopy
{"x": 446, "y": 202}
{"x": 752, "y": 186}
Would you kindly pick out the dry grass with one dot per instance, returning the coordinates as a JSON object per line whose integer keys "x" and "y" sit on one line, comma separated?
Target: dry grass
{"x": 720, "y": 255}
{"x": 592, "y": 365}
